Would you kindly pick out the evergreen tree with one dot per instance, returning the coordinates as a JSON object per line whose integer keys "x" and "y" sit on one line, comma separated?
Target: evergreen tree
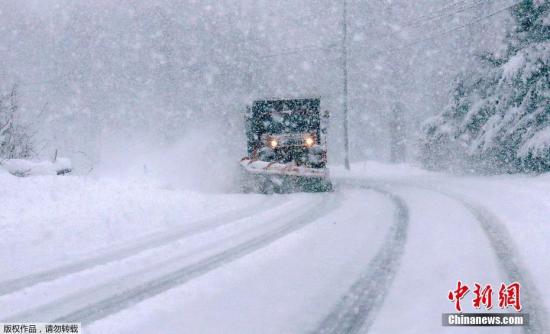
{"x": 499, "y": 114}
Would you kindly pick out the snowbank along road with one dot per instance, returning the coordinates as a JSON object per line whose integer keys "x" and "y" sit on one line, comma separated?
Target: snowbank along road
{"x": 98, "y": 301}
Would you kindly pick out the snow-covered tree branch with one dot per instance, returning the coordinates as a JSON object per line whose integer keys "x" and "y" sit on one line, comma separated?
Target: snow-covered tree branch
{"x": 499, "y": 114}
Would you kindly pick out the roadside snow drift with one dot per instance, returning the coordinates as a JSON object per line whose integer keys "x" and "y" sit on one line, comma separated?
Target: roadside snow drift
{"x": 48, "y": 220}
{"x": 23, "y": 167}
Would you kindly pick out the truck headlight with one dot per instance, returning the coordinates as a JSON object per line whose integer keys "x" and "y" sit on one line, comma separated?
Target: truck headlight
{"x": 309, "y": 140}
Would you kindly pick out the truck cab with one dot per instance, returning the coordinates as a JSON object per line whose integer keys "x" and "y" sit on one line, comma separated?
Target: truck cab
{"x": 286, "y": 145}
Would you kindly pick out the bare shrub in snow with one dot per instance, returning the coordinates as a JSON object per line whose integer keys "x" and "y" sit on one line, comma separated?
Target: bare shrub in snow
{"x": 15, "y": 138}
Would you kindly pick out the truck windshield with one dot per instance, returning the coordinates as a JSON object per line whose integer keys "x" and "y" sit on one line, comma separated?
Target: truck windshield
{"x": 288, "y": 122}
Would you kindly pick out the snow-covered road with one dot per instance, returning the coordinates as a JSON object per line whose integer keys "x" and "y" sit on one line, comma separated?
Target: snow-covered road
{"x": 378, "y": 255}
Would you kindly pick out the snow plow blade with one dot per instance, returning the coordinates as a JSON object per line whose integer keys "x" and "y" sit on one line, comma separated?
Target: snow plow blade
{"x": 272, "y": 177}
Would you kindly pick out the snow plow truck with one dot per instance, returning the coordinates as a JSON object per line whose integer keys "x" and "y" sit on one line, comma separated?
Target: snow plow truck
{"x": 286, "y": 145}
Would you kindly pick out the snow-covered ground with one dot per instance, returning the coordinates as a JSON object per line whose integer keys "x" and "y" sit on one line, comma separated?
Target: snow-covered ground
{"x": 129, "y": 255}
{"x": 521, "y": 203}
{"x": 48, "y": 221}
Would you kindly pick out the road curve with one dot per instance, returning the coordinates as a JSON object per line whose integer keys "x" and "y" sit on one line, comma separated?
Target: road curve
{"x": 509, "y": 261}
{"x": 505, "y": 250}
{"x": 357, "y": 309}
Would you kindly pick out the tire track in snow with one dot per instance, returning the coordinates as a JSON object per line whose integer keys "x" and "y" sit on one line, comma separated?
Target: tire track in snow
{"x": 134, "y": 247}
{"x": 505, "y": 251}
{"x": 506, "y": 254}
{"x": 63, "y": 310}
{"x": 508, "y": 259}
{"x": 357, "y": 309}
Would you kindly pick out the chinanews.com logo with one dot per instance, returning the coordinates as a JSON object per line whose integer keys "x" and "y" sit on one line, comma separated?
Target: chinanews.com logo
{"x": 509, "y": 297}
